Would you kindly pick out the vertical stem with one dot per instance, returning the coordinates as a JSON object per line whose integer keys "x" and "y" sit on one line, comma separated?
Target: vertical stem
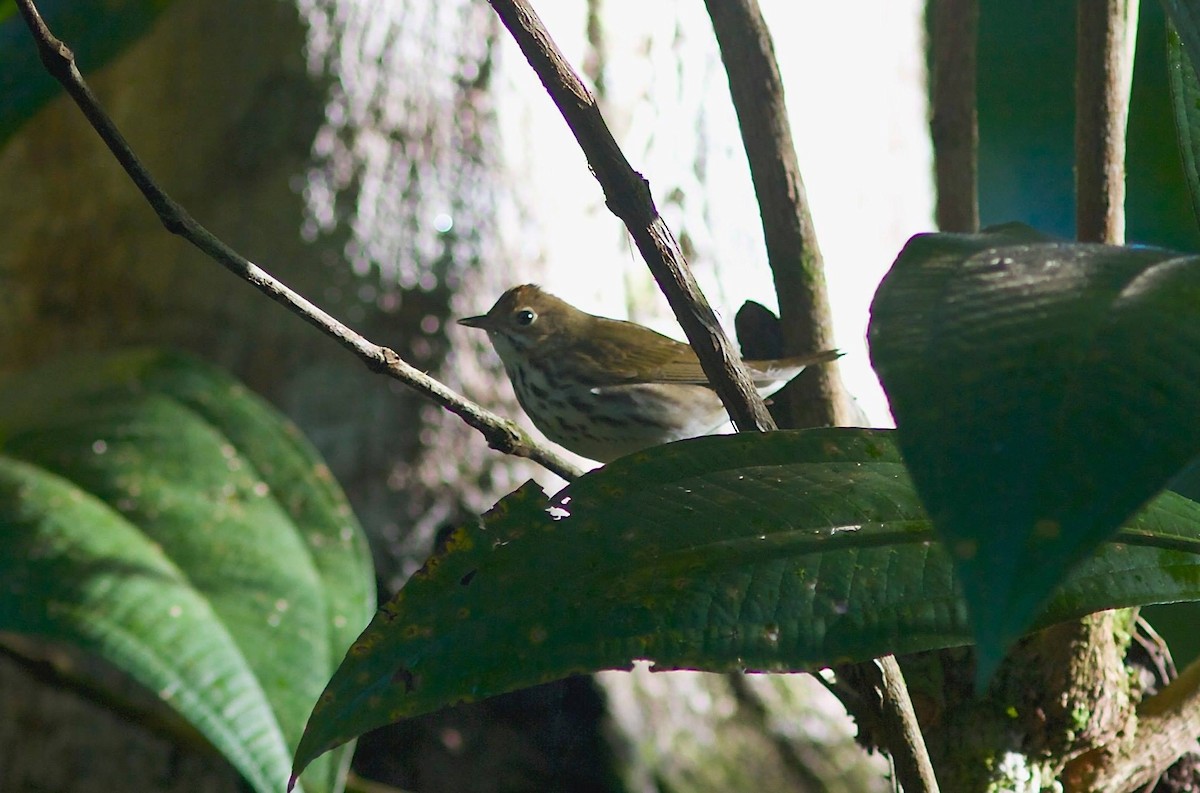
{"x": 906, "y": 744}
{"x": 1106, "y": 31}
{"x": 756, "y": 88}
{"x": 954, "y": 125}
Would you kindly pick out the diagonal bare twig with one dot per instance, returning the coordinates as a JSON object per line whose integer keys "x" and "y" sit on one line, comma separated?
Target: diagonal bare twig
{"x": 501, "y": 434}
{"x": 906, "y": 744}
{"x": 627, "y": 195}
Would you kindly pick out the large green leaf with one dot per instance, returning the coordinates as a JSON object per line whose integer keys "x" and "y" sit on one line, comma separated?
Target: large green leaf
{"x": 777, "y": 551}
{"x": 156, "y": 513}
{"x": 1043, "y": 391}
{"x": 1185, "y": 101}
{"x": 96, "y": 30}
{"x": 1184, "y": 18}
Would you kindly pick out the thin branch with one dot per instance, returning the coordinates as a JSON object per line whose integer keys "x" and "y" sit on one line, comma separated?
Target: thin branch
{"x": 1105, "y": 36}
{"x": 876, "y": 697}
{"x": 954, "y": 125}
{"x": 501, "y": 434}
{"x": 627, "y": 195}
{"x": 906, "y": 745}
{"x": 756, "y": 88}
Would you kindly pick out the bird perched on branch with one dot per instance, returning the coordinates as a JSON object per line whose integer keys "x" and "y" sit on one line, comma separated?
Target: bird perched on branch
{"x": 604, "y": 388}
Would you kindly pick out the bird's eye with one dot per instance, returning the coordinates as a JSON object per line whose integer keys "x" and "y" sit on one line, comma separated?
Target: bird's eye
{"x": 525, "y": 317}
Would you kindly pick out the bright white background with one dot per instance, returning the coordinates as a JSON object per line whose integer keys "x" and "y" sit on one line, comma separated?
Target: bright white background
{"x": 855, "y": 82}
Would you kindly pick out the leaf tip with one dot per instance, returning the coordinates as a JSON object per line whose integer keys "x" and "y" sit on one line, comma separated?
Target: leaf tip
{"x": 992, "y": 644}
{"x": 987, "y": 662}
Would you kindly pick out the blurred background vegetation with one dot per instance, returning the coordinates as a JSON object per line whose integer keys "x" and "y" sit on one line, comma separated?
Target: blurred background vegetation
{"x": 1027, "y": 117}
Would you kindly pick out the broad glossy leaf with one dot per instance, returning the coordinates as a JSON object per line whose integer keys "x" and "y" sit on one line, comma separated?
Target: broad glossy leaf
{"x": 1185, "y": 101}
{"x": 1184, "y": 17}
{"x": 154, "y": 512}
{"x": 766, "y": 552}
{"x": 97, "y": 31}
{"x": 1043, "y": 391}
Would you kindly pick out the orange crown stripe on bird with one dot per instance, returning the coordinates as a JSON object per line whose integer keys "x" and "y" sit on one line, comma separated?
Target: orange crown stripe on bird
{"x": 604, "y": 388}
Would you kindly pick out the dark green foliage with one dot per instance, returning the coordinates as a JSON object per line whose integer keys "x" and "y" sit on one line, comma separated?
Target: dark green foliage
{"x": 1043, "y": 392}
{"x": 784, "y": 551}
{"x": 155, "y": 513}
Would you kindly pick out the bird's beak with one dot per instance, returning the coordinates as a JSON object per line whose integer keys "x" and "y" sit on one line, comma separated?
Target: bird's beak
{"x": 475, "y": 322}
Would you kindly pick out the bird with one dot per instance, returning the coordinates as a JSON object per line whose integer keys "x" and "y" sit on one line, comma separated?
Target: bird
{"x": 604, "y": 388}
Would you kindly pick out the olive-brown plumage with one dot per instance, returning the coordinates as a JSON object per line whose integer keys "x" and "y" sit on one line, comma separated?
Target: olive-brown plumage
{"x": 603, "y": 387}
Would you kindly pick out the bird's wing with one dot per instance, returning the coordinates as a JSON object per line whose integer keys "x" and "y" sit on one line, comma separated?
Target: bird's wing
{"x": 686, "y": 369}
{"x": 650, "y": 357}
{"x": 640, "y": 355}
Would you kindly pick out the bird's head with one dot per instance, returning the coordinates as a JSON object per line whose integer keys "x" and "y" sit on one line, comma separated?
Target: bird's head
{"x": 526, "y": 318}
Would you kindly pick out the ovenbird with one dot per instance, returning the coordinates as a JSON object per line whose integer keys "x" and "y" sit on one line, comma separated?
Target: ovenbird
{"x": 603, "y": 387}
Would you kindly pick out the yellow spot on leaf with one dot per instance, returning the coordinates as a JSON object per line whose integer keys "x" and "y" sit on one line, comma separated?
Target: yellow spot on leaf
{"x": 1047, "y": 529}
{"x": 966, "y": 549}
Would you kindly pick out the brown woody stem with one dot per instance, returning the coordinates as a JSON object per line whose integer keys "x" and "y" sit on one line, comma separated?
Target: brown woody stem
{"x": 756, "y": 88}
{"x": 1105, "y": 35}
{"x": 954, "y": 124}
